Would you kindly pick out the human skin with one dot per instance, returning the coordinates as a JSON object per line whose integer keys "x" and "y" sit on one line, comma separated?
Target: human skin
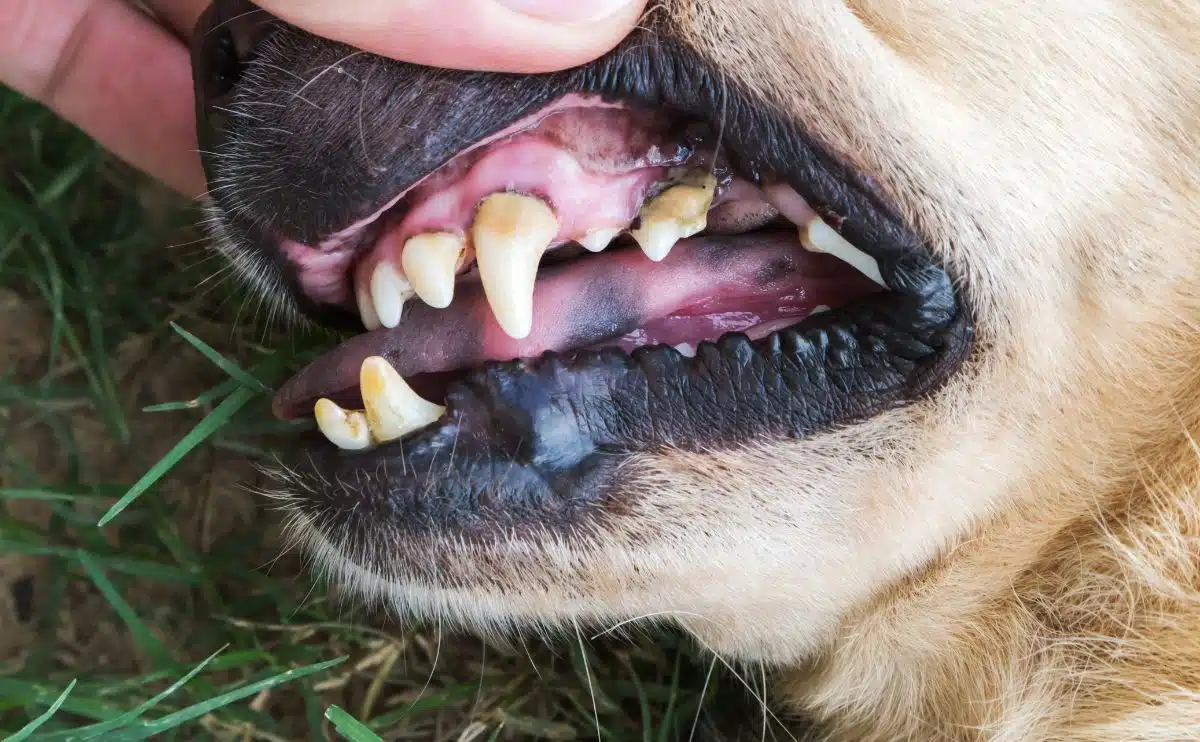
{"x": 126, "y": 80}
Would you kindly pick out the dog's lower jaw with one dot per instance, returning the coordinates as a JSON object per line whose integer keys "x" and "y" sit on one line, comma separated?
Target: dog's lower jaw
{"x": 777, "y": 633}
{"x": 801, "y": 565}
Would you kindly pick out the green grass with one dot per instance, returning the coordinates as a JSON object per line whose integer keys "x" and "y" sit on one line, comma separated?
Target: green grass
{"x": 134, "y": 392}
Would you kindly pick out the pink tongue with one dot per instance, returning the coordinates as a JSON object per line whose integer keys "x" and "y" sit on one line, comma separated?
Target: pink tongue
{"x": 706, "y": 287}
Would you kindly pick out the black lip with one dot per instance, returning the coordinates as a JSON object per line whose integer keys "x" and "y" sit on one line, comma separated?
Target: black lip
{"x": 539, "y": 441}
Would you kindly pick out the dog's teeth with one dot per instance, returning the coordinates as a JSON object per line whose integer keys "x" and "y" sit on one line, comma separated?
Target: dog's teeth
{"x": 393, "y": 409}
{"x": 656, "y": 238}
{"x": 686, "y": 349}
{"x": 817, "y": 236}
{"x": 346, "y": 429}
{"x": 389, "y": 291}
{"x": 678, "y": 212}
{"x": 366, "y": 308}
{"x": 598, "y": 239}
{"x": 819, "y": 309}
{"x": 510, "y": 233}
{"x": 789, "y": 203}
{"x": 430, "y": 261}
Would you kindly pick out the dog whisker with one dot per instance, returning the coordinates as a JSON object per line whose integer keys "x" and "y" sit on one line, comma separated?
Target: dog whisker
{"x": 759, "y": 697}
{"x": 645, "y": 616}
{"x": 712, "y": 665}
{"x": 588, "y": 674}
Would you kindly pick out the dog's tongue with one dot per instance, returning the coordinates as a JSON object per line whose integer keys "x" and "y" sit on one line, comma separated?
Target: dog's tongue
{"x": 706, "y": 287}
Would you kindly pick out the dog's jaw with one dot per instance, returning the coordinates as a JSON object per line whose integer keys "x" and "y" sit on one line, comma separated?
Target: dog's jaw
{"x": 548, "y": 447}
{"x": 911, "y": 550}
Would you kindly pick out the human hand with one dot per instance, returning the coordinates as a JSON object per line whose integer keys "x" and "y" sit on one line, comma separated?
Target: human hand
{"x": 126, "y": 80}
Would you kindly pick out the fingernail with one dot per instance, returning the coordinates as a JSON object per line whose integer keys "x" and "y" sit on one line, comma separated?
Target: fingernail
{"x": 566, "y": 11}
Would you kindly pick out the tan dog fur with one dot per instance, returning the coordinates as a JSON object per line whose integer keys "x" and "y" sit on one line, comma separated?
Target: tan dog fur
{"x": 1018, "y": 558}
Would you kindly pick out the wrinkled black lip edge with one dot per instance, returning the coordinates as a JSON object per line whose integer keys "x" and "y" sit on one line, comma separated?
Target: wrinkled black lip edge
{"x": 906, "y": 343}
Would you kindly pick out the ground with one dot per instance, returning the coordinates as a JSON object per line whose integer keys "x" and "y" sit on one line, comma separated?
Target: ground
{"x": 109, "y": 302}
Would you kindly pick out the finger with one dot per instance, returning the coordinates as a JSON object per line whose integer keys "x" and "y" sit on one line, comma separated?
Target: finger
{"x": 113, "y": 73}
{"x": 179, "y": 15}
{"x": 494, "y": 35}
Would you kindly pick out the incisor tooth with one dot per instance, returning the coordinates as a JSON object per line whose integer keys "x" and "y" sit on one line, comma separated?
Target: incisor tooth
{"x": 817, "y": 236}
{"x": 393, "y": 409}
{"x": 430, "y": 261}
{"x": 678, "y": 212}
{"x": 510, "y": 233}
{"x": 366, "y": 308}
{"x": 389, "y": 291}
{"x": 346, "y": 429}
{"x": 598, "y": 239}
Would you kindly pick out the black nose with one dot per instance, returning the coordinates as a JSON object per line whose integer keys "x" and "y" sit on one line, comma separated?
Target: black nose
{"x": 226, "y": 39}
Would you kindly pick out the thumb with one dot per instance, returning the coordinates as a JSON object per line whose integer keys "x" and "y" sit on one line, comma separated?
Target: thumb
{"x": 491, "y": 35}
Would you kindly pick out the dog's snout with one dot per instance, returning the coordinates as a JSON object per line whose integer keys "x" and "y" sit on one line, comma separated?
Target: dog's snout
{"x": 227, "y": 37}
{"x": 226, "y": 63}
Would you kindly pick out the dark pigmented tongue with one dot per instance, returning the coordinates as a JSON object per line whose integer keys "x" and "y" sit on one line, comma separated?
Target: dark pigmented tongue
{"x": 706, "y": 287}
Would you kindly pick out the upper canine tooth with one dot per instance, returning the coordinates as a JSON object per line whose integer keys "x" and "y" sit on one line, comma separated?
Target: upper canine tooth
{"x": 510, "y": 233}
{"x": 393, "y": 409}
{"x": 346, "y": 429}
{"x": 598, "y": 239}
{"x": 430, "y": 261}
{"x": 366, "y": 308}
{"x": 789, "y": 203}
{"x": 817, "y": 236}
{"x": 389, "y": 291}
{"x": 678, "y": 212}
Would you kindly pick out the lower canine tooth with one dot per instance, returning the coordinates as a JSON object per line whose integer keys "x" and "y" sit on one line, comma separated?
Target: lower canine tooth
{"x": 510, "y": 233}
{"x": 430, "y": 262}
{"x": 598, "y": 239}
{"x": 678, "y": 212}
{"x": 346, "y": 429}
{"x": 393, "y": 409}
{"x": 686, "y": 349}
{"x": 817, "y": 236}
{"x": 389, "y": 290}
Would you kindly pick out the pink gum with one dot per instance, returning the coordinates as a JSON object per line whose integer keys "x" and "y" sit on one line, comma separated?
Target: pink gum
{"x": 582, "y": 200}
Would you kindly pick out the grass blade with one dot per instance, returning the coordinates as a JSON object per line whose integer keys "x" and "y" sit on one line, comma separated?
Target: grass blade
{"x": 195, "y": 711}
{"x": 133, "y": 715}
{"x": 23, "y": 692}
{"x": 209, "y": 425}
{"x": 224, "y": 389}
{"x": 36, "y": 724}
{"x": 220, "y": 361}
{"x": 53, "y": 495}
{"x": 124, "y": 565}
{"x": 350, "y": 728}
{"x": 66, "y": 180}
{"x": 146, "y": 641}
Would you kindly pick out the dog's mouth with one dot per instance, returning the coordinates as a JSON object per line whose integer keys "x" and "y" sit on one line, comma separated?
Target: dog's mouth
{"x": 624, "y": 258}
{"x": 589, "y": 224}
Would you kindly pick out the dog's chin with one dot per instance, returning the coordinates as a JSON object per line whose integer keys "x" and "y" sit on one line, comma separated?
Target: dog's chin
{"x": 786, "y": 298}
